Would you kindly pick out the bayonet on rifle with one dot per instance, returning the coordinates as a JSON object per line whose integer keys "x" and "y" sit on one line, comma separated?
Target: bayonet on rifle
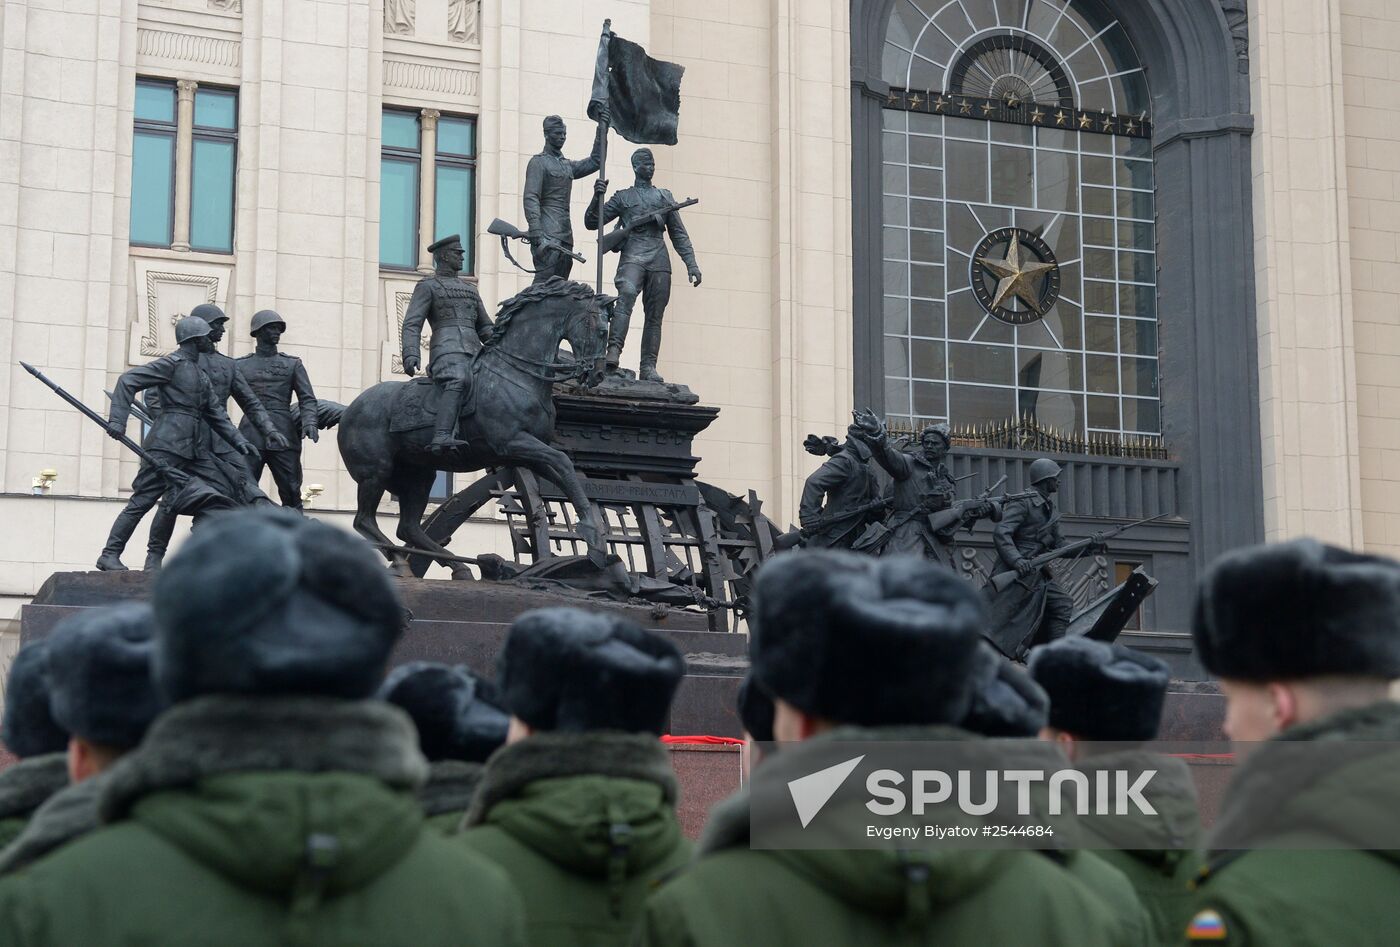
{"x": 1002, "y": 580}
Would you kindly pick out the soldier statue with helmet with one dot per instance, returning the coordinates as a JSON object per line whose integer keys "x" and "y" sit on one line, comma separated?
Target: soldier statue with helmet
{"x": 452, "y": 308}
{"x": 233, "y": 480}
{"x": 924, "y": 511}
{"x": 1034, "y": 609}
{"x": 178, "y": 439}
{"x": 275, "y": 376}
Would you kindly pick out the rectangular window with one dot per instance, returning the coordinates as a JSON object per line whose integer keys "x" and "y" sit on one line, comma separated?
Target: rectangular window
{"x": 398, "y": 190}
{"x": 153, "y": 165}
{"x": 214, "y": 161}
{"x": 407, "y": 166}
{"x": 456, "y": 183}
{"x": 159, "y": 169}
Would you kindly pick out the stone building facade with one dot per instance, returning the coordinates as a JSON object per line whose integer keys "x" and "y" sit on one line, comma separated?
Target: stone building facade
{"x": 1266, "y": 210}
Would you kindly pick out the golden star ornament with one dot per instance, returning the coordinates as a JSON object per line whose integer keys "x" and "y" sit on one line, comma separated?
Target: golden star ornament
{"x": 1016, "y": 278}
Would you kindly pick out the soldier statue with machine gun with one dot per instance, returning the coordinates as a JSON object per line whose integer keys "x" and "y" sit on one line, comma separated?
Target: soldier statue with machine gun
{"x": 1028, "y": 606}
{"x": 924, "y": 513}
{"x": 647, "y": 213}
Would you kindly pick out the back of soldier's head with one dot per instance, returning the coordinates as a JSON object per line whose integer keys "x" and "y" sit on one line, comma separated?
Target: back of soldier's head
{"x": 1301, "y": 626}
{"x": 456, "y": 713}
{"x": 1101, "y": 692}
{"x": 103, "y": 692}
{"x": 29, "y": 728}
{"x": 1299, "y": 610}
{"x": 871, "y": 642}
{"x": 566, "y": 669}
{"x": 1006, "y": 702}
{"x": 271, "y": 602}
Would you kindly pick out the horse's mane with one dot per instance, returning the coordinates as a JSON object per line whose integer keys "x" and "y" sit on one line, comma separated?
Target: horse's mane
{"x": 535, "y": 292}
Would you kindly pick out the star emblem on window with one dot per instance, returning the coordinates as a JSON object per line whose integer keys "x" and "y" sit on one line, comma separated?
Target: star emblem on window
{"x": 1012, "y": 266}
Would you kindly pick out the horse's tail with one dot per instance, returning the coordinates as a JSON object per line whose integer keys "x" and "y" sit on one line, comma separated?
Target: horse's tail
{"x": 366, "y": 446}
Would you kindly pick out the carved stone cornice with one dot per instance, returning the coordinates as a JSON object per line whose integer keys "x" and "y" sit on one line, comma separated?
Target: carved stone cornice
{"x": 187, "y": 47}
{"x": 417, "y": 77}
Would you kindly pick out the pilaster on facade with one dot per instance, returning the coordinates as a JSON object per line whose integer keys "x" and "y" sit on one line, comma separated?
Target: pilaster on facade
{"x": 811, "y": 251}
{"x": 1307, "y": 355}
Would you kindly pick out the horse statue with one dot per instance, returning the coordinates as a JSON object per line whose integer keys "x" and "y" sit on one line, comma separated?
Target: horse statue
{"x": 510, "y": 421}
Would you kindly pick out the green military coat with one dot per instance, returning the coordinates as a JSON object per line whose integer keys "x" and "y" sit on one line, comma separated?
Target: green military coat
{"x": 734, "y": 894}
{"x": 23, "y": 788}
{"x": 1298, "y": 871}
{"x": 585, "y": 825}
{"x": 1162, "y": 873}
{"x": 263, "y": 821}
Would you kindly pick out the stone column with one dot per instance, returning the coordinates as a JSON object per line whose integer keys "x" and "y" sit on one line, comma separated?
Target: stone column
{"x": 184, "y": 151}
{"x": 427, "y": 187}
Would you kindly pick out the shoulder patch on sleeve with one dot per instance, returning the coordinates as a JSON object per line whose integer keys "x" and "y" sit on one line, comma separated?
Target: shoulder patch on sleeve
{"x": 1207, "y": 925}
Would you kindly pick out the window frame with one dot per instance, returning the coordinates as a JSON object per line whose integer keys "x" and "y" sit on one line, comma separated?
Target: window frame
{"x": 467, "y": 163}
{"x": 206, "y": 133}
{"x": 171, "y": 130}
{"x": 414, "y": 156}
{"x": 426, "y": 165}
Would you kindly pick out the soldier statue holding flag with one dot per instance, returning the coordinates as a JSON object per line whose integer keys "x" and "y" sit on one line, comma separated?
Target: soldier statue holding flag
{"x": 549, "y": 181}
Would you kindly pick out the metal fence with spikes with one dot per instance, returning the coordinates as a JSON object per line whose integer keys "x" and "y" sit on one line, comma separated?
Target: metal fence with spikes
{"x": 1028, "y": 433}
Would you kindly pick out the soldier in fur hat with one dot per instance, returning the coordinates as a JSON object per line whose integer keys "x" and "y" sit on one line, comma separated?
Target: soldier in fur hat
{"x": 274, "y": 799}
{"x": 856, "y": 648}
{"x": 460, "y": 723}
{"x": 1305, "y": 639}
{"x": 1105, "y": 702}
{"x": 102, "y": 694}
{"x": 580, "y": 807}
{"x": 30, "y": 733}
{"x": 1008, "y": 703}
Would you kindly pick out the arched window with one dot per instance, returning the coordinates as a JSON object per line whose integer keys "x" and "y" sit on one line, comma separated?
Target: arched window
{"x": 1018, "y": 241}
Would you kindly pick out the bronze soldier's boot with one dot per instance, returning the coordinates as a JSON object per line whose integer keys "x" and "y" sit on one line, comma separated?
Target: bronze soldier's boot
{"x": 647, "y": 372}
{"x": 614, "y": 356}
{"x": 444, "y": 436}
{"x": 651, "y": 348}
{"x": 122, "y": 528}
{"x": 158, "y": 540}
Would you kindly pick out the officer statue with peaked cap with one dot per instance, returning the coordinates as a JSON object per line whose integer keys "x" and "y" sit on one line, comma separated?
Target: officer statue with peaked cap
{"x": 452, "y": 308}
{"x": 276, "y": 376}
{"x": 176, "y": 439}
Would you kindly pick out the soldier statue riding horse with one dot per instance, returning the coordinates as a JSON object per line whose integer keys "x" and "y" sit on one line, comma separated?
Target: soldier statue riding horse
{"x": 387, "y": 434}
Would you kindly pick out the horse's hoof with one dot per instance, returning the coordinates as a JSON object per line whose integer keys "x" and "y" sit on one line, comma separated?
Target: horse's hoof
{"x": 461, "y": 573}
{"x": 401, "y": 569}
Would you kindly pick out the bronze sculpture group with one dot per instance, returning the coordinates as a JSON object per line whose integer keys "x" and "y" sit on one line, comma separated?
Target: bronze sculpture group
{"x": 914, "y": 509}
{"x": 484, "y": 400}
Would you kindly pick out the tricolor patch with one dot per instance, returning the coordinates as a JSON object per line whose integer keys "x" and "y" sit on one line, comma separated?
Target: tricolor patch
{"x": 1207, "y": 925}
